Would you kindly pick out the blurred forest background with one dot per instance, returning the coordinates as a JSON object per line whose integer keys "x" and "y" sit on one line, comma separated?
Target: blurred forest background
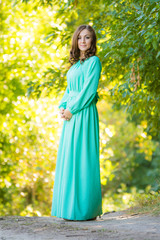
{"x": 35, "y": 43}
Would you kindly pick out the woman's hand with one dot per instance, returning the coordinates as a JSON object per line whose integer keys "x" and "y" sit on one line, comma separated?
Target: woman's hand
{"x": 62, "y": 112}
{"x": 67, "y": 114}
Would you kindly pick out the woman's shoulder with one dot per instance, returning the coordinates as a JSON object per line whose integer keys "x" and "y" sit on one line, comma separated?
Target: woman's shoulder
{"x": 93, "y": 59}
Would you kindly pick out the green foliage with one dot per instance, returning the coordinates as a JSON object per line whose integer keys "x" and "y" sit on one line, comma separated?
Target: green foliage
{"x": 146, "y": 203}
{"x": 28, "y": 156}
{"x": 28, "y": 128}
{"x": 128, "y": 40}
{"x": 133, "y": 51}
{"x": 126, "y": 151}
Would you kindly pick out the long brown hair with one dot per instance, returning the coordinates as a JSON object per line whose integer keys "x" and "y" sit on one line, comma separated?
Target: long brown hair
{"x": 75, "y": 52}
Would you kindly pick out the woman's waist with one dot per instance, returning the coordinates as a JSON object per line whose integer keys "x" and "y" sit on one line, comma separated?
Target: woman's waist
{"x": 72, "y": 95}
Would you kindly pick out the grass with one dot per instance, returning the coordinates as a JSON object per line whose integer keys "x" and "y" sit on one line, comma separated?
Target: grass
{"x": 146, "y": 204}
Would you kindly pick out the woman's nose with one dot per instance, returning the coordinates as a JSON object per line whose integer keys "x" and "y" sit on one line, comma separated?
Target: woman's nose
{"x": 83, "y": 39}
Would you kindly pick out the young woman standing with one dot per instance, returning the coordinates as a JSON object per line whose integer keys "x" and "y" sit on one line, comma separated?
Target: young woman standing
{"x": 77, "y": 188}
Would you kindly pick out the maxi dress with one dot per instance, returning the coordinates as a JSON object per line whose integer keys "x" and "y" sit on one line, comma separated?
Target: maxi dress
{"x": 77, "y": 187}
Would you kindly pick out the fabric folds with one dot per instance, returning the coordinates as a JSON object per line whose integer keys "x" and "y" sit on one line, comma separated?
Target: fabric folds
{"x": 77, "y": 187}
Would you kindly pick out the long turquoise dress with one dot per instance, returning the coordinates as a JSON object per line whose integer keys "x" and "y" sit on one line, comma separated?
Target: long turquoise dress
{"x": 77, "y": 187}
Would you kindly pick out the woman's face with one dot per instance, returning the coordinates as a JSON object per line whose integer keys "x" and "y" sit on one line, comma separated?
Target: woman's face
{"x": 84, "y": 40}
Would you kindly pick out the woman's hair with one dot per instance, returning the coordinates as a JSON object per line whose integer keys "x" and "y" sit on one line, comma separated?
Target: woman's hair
{"x": 75, "y": 52}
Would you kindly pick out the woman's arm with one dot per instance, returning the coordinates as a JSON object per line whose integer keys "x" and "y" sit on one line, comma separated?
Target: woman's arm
{"x": 91, "y": 80}
{"x": 63, "y": 101}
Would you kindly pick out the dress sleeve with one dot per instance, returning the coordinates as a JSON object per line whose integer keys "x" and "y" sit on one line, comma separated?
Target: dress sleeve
{"x": 89, "y": 91}
{"x": 63, "y": 101}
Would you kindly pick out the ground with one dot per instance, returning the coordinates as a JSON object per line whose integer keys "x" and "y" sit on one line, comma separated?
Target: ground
{"x": 114, "y": 226}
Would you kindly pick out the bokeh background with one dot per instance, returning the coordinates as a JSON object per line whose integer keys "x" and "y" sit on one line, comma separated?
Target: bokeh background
{"x": 35, "y": 43}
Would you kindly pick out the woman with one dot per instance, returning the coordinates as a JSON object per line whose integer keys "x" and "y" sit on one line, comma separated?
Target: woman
{"x": 77, "y": 189}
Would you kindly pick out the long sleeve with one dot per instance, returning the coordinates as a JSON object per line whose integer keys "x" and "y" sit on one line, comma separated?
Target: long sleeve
{"x": 63, "y": 101}
{"x": 91, "y": 72}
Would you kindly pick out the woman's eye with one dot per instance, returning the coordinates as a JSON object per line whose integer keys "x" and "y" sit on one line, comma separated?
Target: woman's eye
{"x": 85, "y": 37}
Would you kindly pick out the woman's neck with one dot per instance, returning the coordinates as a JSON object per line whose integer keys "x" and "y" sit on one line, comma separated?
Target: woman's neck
{"x": 82, "y": 54}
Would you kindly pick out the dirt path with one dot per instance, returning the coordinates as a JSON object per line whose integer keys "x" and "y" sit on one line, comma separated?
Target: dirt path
{"x": 114, "y": 226}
